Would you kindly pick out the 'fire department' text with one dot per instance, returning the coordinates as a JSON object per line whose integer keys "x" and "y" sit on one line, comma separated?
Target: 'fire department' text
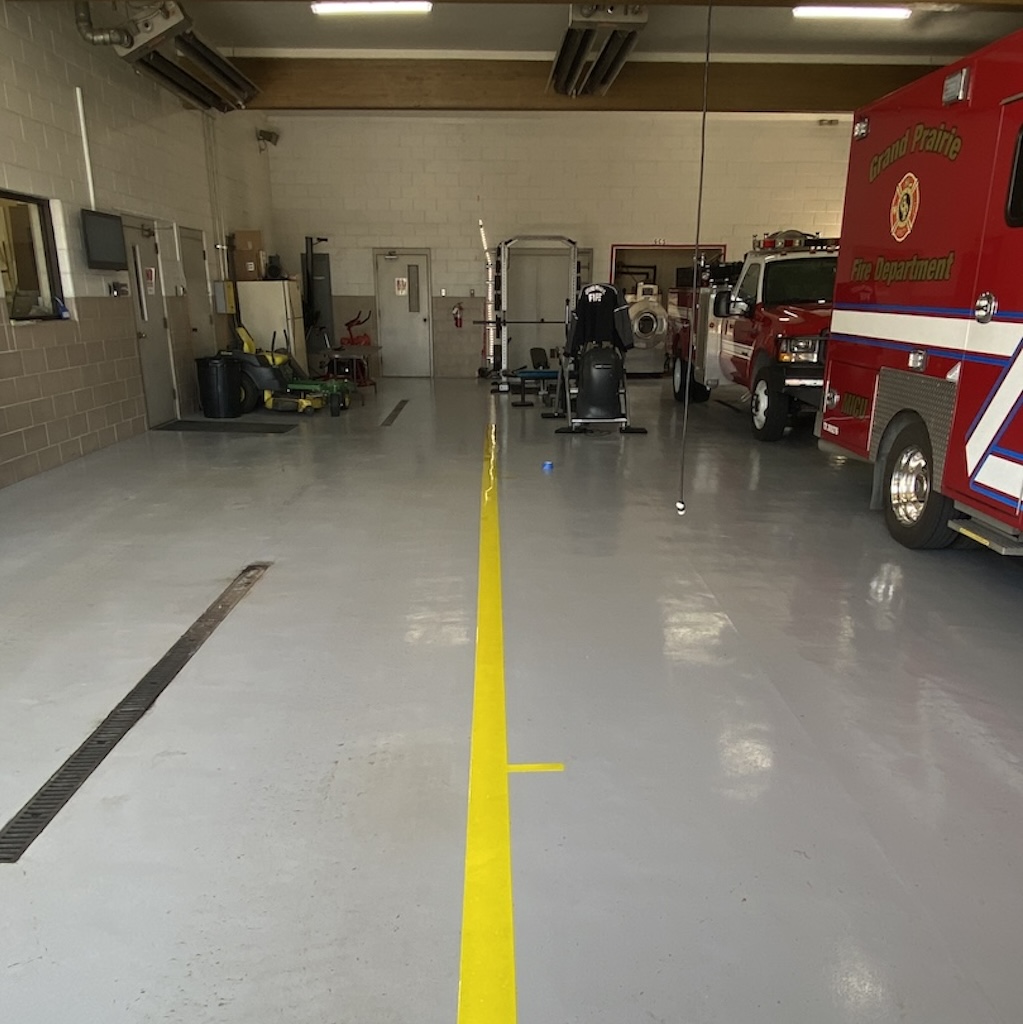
{"x": 917, "y": 268}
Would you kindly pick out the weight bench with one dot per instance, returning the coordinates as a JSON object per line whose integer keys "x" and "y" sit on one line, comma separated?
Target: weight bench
{"x": 541, "y": 377}
{"x": 541, "y": 373}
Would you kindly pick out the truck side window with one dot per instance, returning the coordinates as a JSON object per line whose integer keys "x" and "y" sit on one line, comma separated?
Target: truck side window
{"x": 748, "y": 285}
{"x": 1014, "y": 204}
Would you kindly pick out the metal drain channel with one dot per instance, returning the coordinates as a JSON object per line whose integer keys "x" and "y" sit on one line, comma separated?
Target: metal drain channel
{"x": 25, "y": 827}
{"x": 394, "y": 413}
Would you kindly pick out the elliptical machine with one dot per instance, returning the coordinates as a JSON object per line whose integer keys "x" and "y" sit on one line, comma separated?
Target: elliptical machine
{"x": 591, "y": 382}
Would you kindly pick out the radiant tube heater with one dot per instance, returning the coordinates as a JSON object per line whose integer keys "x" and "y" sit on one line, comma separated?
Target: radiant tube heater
{"x": 158, "y": 40}
{"x": 596, "y": 45}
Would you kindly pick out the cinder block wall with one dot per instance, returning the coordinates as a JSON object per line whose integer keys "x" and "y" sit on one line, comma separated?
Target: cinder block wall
{"x": 73, "y": 386}
{"x": 374, "y": 181}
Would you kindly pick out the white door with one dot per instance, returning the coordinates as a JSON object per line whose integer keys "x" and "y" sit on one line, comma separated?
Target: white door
{"x": 535, "y": 302}
{"x": 403, "y": 313}
{"x": 150, "y": 322}
{"x": 197, "y": 291}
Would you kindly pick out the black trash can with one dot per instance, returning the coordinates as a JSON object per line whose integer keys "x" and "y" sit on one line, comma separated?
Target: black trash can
{"x": 220, "y": 387}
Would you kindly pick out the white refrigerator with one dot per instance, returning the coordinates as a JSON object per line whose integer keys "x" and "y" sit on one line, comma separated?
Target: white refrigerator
{"x": 271, "y": 311}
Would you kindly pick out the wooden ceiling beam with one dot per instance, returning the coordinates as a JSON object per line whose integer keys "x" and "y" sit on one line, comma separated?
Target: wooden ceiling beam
{"x": 979, "y": 5}
{"x": 477, "y": 85}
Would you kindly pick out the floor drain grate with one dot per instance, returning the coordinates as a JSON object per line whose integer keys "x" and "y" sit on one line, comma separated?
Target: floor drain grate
{"x": 394, "y": 413}
{"x": 26, "y": 826}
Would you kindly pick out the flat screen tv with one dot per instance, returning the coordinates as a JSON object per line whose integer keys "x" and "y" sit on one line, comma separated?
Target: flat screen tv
{"x": 104, "y": 241}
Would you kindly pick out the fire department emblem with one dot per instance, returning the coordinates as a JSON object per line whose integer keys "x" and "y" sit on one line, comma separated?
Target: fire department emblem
{"x": 905, "y": 206}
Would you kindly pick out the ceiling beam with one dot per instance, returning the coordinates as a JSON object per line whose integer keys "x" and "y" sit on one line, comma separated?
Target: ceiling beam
{"x": 474, "y": 85}
{"x": 979, "y": 5}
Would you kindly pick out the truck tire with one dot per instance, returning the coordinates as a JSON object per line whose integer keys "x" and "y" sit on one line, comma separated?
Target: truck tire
{"x": 769, "y": 408}
{"x": 915, "y": 513}
{"x": 250, "y": 394}
{"x": 679, "y": 375}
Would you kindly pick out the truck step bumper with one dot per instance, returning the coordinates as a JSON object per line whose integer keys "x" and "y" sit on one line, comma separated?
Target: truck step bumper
{"x": 1003, "y": 543}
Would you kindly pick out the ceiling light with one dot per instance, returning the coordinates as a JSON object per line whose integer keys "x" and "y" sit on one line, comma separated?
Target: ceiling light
{"x": 867, "y": 13}
{"x": 372, "y": 7}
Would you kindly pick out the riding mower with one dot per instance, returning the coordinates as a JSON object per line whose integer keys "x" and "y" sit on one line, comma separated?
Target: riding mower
{"x": 275, "y": 380}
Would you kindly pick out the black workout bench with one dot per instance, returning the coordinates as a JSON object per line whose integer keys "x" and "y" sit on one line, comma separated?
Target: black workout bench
{"x": 541, "y": 377}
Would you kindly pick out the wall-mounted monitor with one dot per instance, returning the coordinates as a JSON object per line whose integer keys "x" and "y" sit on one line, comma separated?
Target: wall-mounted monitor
{"x": 104, "y": 241}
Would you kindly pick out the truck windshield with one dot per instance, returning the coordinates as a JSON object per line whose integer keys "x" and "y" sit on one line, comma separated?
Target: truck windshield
{"x": 800, "y": 281}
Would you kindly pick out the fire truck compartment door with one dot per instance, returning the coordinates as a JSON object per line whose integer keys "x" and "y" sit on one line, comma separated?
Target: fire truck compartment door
{"x": 987, "y": 431}
{"x": 849, "y": 421}
{"x": 737, "y": 333}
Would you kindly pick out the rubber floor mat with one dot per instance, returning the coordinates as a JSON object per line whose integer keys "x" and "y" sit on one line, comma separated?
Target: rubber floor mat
{"x": 227, "y": 427}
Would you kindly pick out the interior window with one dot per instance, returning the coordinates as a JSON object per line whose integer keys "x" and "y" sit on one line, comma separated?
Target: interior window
{"x": 28, "y": 259}
{"x": 748, "y": 285}
{"x": 1014, "y": 204}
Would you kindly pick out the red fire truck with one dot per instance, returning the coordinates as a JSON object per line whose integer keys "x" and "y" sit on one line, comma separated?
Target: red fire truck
{"x": 768, "y": 333}
{"x": 924, "y": 373}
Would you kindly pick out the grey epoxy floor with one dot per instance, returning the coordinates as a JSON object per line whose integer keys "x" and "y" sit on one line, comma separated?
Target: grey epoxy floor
{"x": 793, "y": 781}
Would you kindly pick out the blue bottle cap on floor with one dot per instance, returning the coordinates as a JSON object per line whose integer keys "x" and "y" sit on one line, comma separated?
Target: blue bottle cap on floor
{"x": 548, "y": 467}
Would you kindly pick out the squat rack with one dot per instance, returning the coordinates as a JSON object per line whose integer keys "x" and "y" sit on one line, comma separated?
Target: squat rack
{"x": 498, "y": 286}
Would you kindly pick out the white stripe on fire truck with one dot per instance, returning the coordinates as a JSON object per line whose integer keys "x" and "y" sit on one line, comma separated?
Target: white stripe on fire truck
{"x": 940, "y": 332}
{"x": 734, "y": 348}
{"x": 1002, "y": 479}
{"x": 998, "y": 410}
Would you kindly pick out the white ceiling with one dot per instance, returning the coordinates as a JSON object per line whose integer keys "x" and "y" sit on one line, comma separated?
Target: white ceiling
{"x": 503, "y": 31}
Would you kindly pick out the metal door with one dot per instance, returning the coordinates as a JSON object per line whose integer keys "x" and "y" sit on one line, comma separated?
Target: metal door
{"x": 403, "y": 313}
{"x": 150, "y": 322}
{"x": 737, "y": 333}
{"x": 197, "y": 290}
{"x": 987, "y": 432}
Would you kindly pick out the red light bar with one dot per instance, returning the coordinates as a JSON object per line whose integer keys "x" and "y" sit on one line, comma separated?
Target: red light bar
{"x": 801, "y": 241}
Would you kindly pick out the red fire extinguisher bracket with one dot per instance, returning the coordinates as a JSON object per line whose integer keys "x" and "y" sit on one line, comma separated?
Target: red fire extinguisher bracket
{"x": 456, "y": 314}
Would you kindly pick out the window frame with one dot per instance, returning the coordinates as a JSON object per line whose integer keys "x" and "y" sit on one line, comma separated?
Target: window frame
{"x": 1014, "y": 198}
{"x": 48, "y": 262}
{"x": 755, "y": 271}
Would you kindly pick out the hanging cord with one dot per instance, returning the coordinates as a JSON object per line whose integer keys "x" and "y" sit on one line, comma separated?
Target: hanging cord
{"x": 680, "y": 505}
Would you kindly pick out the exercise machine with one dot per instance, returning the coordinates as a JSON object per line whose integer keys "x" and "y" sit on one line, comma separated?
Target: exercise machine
{"x": 592, "y": 383}
{"x": 521, "y": 301}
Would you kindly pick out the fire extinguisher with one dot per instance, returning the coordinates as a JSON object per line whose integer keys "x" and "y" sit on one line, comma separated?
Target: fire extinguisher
{"x": 456, "y": 314}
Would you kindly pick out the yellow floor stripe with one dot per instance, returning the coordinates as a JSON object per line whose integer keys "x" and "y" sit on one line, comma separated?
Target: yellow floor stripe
{"x": 486, "y": 991}
{"x": 536, "y": 767}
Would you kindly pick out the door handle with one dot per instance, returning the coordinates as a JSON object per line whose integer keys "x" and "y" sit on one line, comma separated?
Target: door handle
{"x": 984, "y": 308}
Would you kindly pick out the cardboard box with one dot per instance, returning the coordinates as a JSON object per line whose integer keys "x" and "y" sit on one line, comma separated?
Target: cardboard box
{"x": 247, "y": 241}
{"x": 248, "y": 257}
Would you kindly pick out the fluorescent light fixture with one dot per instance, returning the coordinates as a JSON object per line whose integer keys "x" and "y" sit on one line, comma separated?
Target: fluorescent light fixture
{"x": 866, "y": 13}
{"x": 372, "y": 7}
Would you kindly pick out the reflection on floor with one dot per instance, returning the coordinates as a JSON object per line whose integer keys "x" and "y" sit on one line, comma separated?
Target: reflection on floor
{"x": 792, "y": 749}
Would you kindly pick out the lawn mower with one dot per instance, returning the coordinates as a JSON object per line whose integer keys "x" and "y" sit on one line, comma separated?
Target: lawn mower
{"x": 275, "y": 380}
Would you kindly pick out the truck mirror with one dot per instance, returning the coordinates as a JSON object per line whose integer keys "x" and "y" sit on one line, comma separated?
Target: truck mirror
{"x": 723, "y": 303}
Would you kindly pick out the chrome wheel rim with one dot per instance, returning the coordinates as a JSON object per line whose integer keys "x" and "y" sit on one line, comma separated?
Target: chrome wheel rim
{"x": 676, "y": 376}
{"x": 910, "y": 486}
{"x": 759, "y": 404}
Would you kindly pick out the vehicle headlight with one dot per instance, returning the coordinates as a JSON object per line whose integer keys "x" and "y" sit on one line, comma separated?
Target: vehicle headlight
{"x": 798, "y": 350}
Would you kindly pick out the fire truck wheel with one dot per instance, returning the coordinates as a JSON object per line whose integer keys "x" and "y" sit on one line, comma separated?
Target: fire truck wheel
{"x": 769, "y": 409}
{"x": 916, "y": 514}
{"x": 679, "y": 375}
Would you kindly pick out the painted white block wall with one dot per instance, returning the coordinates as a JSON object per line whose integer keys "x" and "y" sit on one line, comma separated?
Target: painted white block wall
{"x": 149, "y": 154}
{"x": 70, "y": 387}
{"x": 370, "y": 181}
